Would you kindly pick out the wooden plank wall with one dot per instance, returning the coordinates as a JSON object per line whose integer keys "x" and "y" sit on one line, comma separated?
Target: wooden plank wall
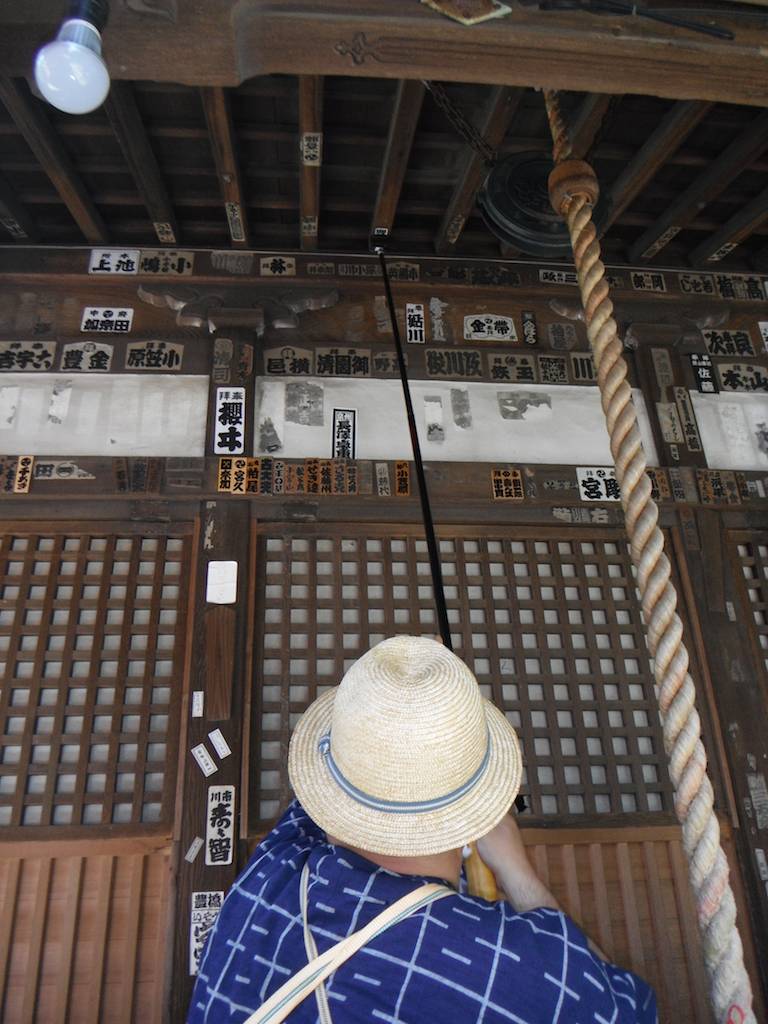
{"x": 628, "y": 889}
{"x": 84, "y": 931}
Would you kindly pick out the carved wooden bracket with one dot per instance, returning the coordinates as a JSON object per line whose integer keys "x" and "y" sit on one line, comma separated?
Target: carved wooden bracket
{"x": 684, "y": 322}
{"x": 195, "y": 308}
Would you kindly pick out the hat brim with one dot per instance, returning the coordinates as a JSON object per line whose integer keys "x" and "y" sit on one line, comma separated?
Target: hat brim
{"x": 403, "y": 834}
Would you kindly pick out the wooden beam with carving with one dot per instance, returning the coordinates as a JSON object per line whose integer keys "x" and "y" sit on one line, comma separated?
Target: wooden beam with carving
{"x": 497, "y": 117}
{"x": 38, "y": 133}
{"x": 706, "y": 187}
{"x": 588, "y": 122}
{"x": 231, "y": 41}
{"x": 741, "y": 225}
{"x": 13, "y": 216}
{"x": 402, "y": 128}
{"x": 672, "y": 130}
{"x": 310, "y": 157}
{"x": 125, "y": 119}
{"x": 222, "y": 138}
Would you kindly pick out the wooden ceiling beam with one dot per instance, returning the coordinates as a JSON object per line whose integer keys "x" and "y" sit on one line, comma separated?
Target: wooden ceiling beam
{"x": 673, "y": 128}
{"x": 41, "y": 138}
{"x": 743, "y": 224}
{"x": 497, "y": 117}
{"x": 588, "y": 122}
{"x": 14, "y": 218}
{"x": 221, "y": 134}
{"x": 402, "y": 129}
{"x": 310, "y": 157}
{"x": 131, "y": 134}
{"x": 231, "y": 41}
{"x": 706, "y": 187}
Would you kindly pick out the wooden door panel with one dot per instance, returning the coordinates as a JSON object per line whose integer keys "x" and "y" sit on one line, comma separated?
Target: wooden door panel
{"x": 84, "y": 934}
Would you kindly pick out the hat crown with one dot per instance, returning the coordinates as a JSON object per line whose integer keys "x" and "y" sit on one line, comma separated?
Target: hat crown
{"x": 408, "y": 722}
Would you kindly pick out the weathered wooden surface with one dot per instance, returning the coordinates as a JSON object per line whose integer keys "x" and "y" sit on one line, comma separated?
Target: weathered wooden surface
{"x": 84, "y": 933}
{"x": 225, "y": 43}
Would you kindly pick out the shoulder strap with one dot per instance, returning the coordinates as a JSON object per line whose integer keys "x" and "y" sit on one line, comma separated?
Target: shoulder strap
{"x": 302, "y": 984}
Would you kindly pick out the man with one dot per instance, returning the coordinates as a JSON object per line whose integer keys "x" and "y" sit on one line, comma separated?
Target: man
{"x": 396, "y": 770}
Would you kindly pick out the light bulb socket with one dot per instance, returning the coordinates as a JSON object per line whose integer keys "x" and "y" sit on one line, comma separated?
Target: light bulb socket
{"x": 83, "y": 33}
{"x": 95, "y": 12}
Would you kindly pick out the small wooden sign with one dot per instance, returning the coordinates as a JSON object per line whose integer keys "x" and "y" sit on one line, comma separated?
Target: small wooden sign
{"x": 661, "y": 489}
{"x": 403, "y": 479}
{"x": 23, "y": 478}
{"x": 507, "y": 485}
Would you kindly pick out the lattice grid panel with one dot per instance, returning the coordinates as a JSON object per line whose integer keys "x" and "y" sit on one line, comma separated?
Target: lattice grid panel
{"x": 752, "y": 555}
{"x": 549, "y": 623}
{"x": 91, "y": 640}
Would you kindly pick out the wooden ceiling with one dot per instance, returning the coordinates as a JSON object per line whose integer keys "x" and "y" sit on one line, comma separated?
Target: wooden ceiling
{"x": 216, "y": 161}
{"x": 174, "y": 156}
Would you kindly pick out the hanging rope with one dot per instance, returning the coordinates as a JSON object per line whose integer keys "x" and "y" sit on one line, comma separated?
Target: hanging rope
{"x": 573, "y": 191}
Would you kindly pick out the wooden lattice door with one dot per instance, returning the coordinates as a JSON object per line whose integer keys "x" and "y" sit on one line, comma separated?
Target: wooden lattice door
{"x": 92, "y": 636}
{"x": 550, "y": 623}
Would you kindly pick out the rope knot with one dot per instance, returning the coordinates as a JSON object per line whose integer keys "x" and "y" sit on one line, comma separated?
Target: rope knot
{"x": 570, "y": 179}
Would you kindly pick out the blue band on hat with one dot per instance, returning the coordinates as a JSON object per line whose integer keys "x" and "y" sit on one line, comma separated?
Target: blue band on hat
{"x": 398, "y": 806}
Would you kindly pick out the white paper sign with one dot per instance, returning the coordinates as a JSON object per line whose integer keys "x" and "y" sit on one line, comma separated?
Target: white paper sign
{"x": 204, "y": 760}
{"x": 414, "y": 323}
{"x": 114, "y": 261}
{"x": 221, "y": 586}
{"x": 220, "y": 745}
{"x": 344, "y": 429}
{"x": 489, "y": 327}
{"x": 558, "y": 277}
{"x": 220, "y": 825}
{"x": 167, "y": 262}
{"x": 205, "y": 910}
{"x": 598, "y": 483}
{"x": 87, "y": 357}
{"x": 198, "y": 701}
{"x": 194, "y": 848}
{"x": 229, "y": 429}
{"x": 107, "y": 319}
{"x": 277, "y": 266}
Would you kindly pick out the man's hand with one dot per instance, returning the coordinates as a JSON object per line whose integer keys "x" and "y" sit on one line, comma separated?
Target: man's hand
{"x": 503, "y": 851}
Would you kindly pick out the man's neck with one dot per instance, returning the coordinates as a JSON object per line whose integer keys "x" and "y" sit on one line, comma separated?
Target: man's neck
{"x": 446, "y": 865}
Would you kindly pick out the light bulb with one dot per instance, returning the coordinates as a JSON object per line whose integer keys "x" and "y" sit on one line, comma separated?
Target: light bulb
{"x": 70, "y": 72}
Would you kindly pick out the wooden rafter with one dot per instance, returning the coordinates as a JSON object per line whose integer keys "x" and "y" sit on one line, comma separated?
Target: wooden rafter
{"x": 706, "y": 187}
{"x": 41, "y": 138}
{"x": 127, "y": 125}
{"x": 402, "y": 128}
{"x": 310, "y": 157}
{"x": 13, "y": 216}
{"x": 588, "y": 122}
{"x": 674, "y": 127}
{"x": 222, "y": 138}
{"x": 741, "y": 225}
{"x": 497, "y": 117}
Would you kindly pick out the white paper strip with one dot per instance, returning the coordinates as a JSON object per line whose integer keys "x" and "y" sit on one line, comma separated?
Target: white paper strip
{"x": 221, "y": 587}
{"x": 220, "y": 745}
{"x": 194, "y": 848}
{"x": 198, "y": 700}
{"x": 205, "y": 761}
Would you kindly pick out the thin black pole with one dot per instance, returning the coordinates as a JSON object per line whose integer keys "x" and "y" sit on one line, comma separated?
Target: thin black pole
{"x": 426, "y": 511}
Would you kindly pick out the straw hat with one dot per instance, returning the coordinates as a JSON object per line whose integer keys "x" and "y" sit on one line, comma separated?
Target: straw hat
{"x": 405, "y": 757}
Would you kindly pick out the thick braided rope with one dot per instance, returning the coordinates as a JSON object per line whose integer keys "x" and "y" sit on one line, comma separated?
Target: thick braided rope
{"x": 573, "y": 191}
